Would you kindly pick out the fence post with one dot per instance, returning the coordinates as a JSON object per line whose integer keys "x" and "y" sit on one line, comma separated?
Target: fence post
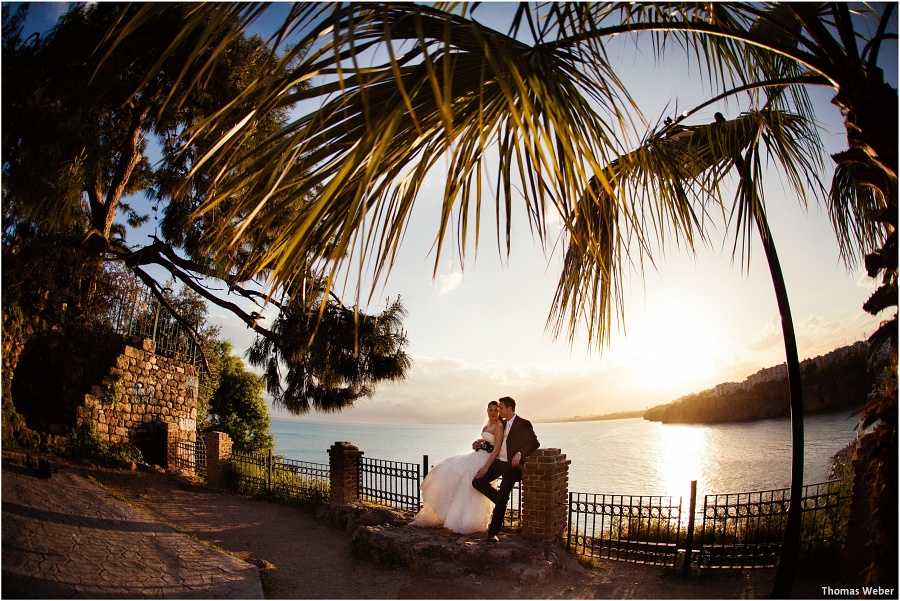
{"x": 689, "y": 544}
{"x": 270, "y": 468}
{"x": 424, "y": 465}
{"x": 218, "y": 452}
{"x": 545, "y": 492}
{"x": 344, "y": 463}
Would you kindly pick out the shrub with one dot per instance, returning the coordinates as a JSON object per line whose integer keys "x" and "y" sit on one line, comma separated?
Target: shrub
{"x": 85, "y": 445}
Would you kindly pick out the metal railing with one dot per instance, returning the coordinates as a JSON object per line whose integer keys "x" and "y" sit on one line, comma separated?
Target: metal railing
{"x": 190, "y": 457}
{"x": 744, "y": 530}
{"x": 277, "y": 478}
{"x": 640, "y": 529}
{"x": 513, "y": 517}
{"x": 391, "y": 483}
{"x": 141, "y": 315}
{"x": 302, "y": 480}
{"x": 739, "y": 530}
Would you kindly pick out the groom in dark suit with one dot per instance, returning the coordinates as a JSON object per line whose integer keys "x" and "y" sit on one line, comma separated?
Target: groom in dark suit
{"x": 519, "y": 440}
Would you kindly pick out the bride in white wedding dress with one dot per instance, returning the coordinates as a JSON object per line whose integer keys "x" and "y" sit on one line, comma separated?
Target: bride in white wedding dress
{"x": 448, "y": 498}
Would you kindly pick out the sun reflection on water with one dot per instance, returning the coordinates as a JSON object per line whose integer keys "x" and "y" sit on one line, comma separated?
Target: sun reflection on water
{"x": 681, "y": 455}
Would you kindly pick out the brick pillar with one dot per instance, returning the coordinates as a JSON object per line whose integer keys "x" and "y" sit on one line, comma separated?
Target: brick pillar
{"x": 173, "y": 436}
{"x": 344, "y": 460}
{"x": 218, "y": 452}
{"x": 545, "y": 491}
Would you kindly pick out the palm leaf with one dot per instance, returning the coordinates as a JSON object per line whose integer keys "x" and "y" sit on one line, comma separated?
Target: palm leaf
{"x": 668, "y": 185}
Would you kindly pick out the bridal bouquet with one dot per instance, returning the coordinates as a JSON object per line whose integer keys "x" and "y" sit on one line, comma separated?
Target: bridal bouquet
{"x": 485, "y": 446}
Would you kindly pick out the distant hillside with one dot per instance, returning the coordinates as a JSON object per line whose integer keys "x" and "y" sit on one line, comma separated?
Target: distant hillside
{"x": 838, "y": 380}
{"x": 596, "y": 418}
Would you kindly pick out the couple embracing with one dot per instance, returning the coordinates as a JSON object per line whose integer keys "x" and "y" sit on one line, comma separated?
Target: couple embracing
{"x": 458, "y": 493}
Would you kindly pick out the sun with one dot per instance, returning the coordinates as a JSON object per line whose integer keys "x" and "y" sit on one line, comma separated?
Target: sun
{"x": 675, "y": 348}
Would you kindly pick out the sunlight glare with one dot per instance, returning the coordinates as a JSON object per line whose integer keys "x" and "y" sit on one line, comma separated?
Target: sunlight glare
{"x": 675, "y": 349}
{"x": 679, "y": 451}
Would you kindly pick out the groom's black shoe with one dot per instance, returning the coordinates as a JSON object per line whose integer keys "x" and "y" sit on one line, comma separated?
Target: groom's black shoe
{"x": 493, "y": 539}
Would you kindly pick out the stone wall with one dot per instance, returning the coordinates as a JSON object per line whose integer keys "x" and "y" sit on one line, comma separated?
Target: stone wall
{"x": 139, "y": 397}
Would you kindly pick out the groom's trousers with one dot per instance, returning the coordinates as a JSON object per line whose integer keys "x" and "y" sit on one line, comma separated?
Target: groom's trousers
{"x": 500, "y": 498}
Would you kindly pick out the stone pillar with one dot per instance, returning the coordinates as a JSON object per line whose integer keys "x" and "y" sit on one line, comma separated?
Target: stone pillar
{"x": 344, "y": 460}
{"x": 173, "y": 437}
{"x": 545, "y": 491}
{"x": 218, "y": 452}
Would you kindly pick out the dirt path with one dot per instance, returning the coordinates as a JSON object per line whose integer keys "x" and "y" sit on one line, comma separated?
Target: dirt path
{"x": 303, "y": 558}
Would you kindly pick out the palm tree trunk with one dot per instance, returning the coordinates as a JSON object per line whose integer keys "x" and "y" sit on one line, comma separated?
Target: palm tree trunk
{"x": 790, "y": 550}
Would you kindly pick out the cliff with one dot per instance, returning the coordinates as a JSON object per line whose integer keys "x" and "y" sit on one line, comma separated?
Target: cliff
{"x": 839, "y": 380}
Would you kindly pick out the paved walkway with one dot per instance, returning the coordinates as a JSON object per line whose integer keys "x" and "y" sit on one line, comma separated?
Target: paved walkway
{"x": 67, "y": 538}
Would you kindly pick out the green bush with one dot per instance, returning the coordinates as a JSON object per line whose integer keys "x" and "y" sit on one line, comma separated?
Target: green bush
{"x": 86, "y": 446}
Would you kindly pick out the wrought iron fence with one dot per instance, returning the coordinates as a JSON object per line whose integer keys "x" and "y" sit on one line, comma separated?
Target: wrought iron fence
{"x": 190, "y": 457}
{"x": 303, "y": 480}
{"x": 641, "y": 529}
{"x": 248, "y": 474}
{"x": 513, "y": 517}
{"x": 391, "y": 483}
{"x": 747, "y": 529}
{"x": 277, "y": 478}
{"x": 141, "y": 315}
{"x": 739, "y": 530}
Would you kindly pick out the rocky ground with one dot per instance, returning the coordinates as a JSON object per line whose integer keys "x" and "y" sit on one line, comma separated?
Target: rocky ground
{"x": 303, "y": 555}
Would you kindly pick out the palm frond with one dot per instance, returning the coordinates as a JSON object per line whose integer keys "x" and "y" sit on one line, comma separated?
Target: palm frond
{"x": 383, "y": 128}
{"x": 661, "y": 193}
{"x": 540, "y": 123}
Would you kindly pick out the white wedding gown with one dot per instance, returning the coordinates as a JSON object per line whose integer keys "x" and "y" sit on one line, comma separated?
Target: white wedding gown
{"x": 448, "y": 498}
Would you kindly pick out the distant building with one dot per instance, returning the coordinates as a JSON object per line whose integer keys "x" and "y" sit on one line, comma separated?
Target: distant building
{"x": 729, "y": 387}
{"x": 778, "y": 372}
{"x": 768, "y": 374}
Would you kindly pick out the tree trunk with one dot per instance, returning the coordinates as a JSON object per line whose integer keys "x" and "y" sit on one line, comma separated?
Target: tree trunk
{"x": 790, "y": 550}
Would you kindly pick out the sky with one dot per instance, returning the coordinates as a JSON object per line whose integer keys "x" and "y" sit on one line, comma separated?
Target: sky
{"x": 476, "y": 329}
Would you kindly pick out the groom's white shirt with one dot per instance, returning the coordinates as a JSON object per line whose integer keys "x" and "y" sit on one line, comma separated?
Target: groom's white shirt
{"x": 502, "y": 454}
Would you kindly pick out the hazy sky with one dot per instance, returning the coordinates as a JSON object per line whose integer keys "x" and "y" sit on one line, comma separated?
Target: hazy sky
{"x": 477, "y": 332}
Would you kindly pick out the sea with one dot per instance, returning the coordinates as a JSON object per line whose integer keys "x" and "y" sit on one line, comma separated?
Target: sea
{"x": 618, "y": 457}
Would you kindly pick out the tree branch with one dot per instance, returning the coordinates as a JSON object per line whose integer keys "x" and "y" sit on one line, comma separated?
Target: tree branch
{"x": 154, "y": 287}
{"x": 150, "y": 255}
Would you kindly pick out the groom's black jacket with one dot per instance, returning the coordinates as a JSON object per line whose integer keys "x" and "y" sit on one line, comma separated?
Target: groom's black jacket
{"x": 521, "y": 438}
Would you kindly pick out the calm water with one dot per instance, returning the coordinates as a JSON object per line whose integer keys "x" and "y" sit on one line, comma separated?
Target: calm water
{"x": 629, "y": 457}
